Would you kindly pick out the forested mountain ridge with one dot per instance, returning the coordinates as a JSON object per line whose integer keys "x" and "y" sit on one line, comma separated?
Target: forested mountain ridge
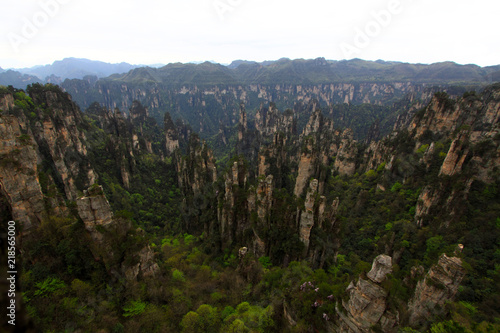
{"x": 207, "y": 95}
{"x": 308, "y": 72}
{"x": 278, "y": 237}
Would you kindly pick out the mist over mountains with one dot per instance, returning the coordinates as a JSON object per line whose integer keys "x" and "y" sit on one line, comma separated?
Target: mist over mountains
{"x": 75, "y": 68}
{"x": 206, "y": 95}
{"x": 298, "y": 71}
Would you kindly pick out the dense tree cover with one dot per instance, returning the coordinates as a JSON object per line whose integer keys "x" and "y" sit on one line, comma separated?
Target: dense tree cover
{"x": 151, "y": 195}
{"x": 203, "y": 287}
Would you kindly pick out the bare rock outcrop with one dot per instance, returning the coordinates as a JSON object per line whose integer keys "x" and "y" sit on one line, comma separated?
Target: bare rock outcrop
{"x": 106, "y": 230}
{"x": 427, "y": 199}
{"x": 314, "y": 124}
{"x": 95, "y": 211}
{"x": 439, "y": 286}
{"x": 171, "y": 134}
{"x": 260, "y": 200}
{"x": 382, "y": 265}
{"x": 345, "y": 162}
{"x": 45, "y": 142}
{"x": 138, "y": 113}
{"x": 367, "y": 305}
{"x": 306, "y": 221}
{"x": 243, "y": 125}
{"x": 146, "y": 266}
{"x": 19, "y": 175}
{"x": 233, "y": 220}
{"x": 306, "y": 168}
{"x": 56, "y": 130}
{"x": 6, "y": 102}
{"x": 269, "y": 121}
{"x": 264, "y": 194}
{"x": 197, "y": 168}
{"x": 455, "y": 157}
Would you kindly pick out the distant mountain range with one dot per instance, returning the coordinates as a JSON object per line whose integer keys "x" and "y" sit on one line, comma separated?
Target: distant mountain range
{"x": 315, "y": 71}
{"x": 206, "y": 95}
{"x": 74, "y": 68}
{"x": 282, "y": 71}
{"x": 57, "y": 72}
{"x": 17, "y": 79}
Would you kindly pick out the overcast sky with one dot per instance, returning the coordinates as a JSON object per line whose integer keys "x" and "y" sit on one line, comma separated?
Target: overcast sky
{"x": 152, "y": 31}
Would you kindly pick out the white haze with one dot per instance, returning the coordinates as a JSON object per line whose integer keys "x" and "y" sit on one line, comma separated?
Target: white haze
{"x": 149, "y": 32}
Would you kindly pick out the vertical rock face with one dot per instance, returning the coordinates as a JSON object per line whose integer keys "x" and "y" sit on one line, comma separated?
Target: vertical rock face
{"x": 225, "y": 216}
{"x": 345, "y": 163}
{"x": 440, "y": 116}
{"x": 138, "y": 113}
{"x": 455, "y": 157}
{"x": 264, "y": 195}
{"x": 44, "y": 144}
{"x": 171, "y": 135}
{"x": 367, "y": 304}
{"x": 242, "y": 126}
{"x": 158, "y": 95}
{"x": 148, "y": 267}
{"x": 197, "y": 168}
{"x": 321, "y": 145}
{"x": 382, "y": 265}
{"x": 111, "y": 121}
{"x": 51, "y": 136}
{"x": 19, "y": 174}
{"x": 141, "y": 125}
{"x": 269, "y": 121}
{"x": 472, "y": 124}
{"x": 314, "y": 124}
{"x": 427, "y": 199}
{"x": 274, "y": 159}
{"x": 443, "y": 116}
{"x": 262, "y": 165}
{"x": 105, "y": 230}
{"x": 259, "y": 203}
{"x": 60, "y": 141}
{"x": 314, "y": 149}
{"x": 196, "y": 173}
{"x": 306, "y": 168}
{"x": 262, "y": 204}
{"x": 439, "y": 286}
{"x": 233, "y": 214}
{"x": 375, "y": 154}
{"x": 6, "y": 102}
{"x": 266, "y": 120}
{"x": 145, "y": 266}
{"x": 306, "y": 221}
{"x": 123, "y": 141}
{"x": 95, "y": 211}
